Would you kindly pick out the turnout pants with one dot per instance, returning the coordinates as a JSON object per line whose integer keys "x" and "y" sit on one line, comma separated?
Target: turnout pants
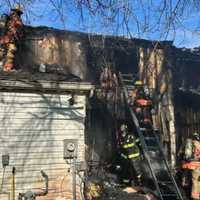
{"x": 125, "y": 173}
{"x": 195, "y": 184}
{"x": 135, "y": 163}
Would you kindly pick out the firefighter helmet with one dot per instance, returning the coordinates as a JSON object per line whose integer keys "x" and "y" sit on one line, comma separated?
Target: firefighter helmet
{"x": 17, "y": 9}
{"x": 124, "y": 130}
{"x": 138, "y": 83}
{"x": 123, "y": 127}
{"x": 196, "y": 136}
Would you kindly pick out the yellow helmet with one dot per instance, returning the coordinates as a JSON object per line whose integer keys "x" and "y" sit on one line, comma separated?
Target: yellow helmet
{"x": 138, "y": 83}
{"x": 17, "y": 8}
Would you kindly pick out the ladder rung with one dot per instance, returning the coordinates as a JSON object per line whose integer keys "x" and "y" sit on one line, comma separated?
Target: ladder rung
{"x": 156, "y": 130}
{"x": 151, "y": 143}
{"x": 152, "y": 153}
{"x": 166, "y": 182}
{"x": 168, "y": 195}
{"x": 151, "y": 148}
{"x": 149, "y": 138}
{"x": 130, "y": 87}
{"x": 127, "y": 80}
{"x": 127, "y": 75}
{"x": 147, "y": 133}
{"x": 146, "y": 129}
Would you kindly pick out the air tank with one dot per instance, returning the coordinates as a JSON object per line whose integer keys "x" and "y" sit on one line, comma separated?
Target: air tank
{"x": 188, "y": 149}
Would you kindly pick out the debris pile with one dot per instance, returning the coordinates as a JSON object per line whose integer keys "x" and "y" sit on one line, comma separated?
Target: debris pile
{"x": 103, "y": 185}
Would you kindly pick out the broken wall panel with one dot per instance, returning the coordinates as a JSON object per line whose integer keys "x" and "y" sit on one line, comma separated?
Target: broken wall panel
{"x": 155, "y": 71}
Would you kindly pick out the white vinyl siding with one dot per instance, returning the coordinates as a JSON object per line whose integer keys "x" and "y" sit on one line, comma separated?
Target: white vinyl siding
{"x": 32, "y": 129}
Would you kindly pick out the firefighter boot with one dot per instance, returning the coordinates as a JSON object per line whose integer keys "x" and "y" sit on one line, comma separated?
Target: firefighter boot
{"x": 139, "y": 180}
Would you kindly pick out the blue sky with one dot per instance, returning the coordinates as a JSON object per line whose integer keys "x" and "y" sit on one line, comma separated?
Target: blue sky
{"x": 53, "y": 13}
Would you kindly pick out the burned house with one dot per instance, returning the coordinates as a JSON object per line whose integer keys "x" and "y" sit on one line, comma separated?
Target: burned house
{"x": 49, "y": 102}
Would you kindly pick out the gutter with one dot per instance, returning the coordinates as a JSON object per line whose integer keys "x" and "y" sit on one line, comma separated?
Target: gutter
{"x": 58, "y": 86}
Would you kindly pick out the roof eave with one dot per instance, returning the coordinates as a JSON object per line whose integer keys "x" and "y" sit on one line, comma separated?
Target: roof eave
{"x": 59, "y": 86}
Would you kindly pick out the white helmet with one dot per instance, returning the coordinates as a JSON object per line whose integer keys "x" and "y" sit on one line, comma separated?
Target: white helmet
{"x": 124, "y": 127}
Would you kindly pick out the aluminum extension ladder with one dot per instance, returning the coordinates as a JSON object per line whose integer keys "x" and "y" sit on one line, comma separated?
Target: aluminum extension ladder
{"x": 163, "y": 179}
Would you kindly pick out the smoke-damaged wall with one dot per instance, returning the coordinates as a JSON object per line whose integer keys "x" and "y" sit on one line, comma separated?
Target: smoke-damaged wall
{"x": 186, "y": 83}
{"x": 186, "y": 69}
{"x": 99, "y": 132}
{"x": 84, "y": 56}
{"x": 187, "y": 114}
{"x": 60, "y": 51}
{"x": 80, "y": 54}
{"x": 161, "y": 66}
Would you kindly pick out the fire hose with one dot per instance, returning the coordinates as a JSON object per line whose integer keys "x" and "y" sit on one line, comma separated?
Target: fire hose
{"x": 29, "y": 195}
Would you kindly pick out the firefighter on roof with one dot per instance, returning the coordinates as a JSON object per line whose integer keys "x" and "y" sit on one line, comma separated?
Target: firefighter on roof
{"x": 142, "y": 105}
{"x": 192, "y": 157}
{"x": 108, "y": 79}
{"x": 140, "y": 95}
{"x": 130, "y": 152}
{"x": 12, "y": 36}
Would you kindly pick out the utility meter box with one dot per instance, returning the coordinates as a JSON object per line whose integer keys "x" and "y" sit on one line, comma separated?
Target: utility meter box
{"x": 5, "y": 160}
{"x": 70, "y": 148}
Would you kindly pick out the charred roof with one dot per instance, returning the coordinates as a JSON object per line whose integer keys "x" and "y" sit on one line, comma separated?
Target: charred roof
{"x": 108, "y": 40}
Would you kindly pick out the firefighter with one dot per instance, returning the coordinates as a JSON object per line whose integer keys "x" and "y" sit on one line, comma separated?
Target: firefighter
{"x": 192, "y": 157}
{"x": 139, "y": 88}
{"x": 141, "y": 96}
{"x": 131, "y": 98}
{"x": 133, "y": 93}
{"x": 142, "y": 106}
{"x": 130, "y": 152}
{"x": 139, "y": 113}
{"x": 12, "y": 36}
{"x": 143, "y": 115}
{"x": 106, "y": 78}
